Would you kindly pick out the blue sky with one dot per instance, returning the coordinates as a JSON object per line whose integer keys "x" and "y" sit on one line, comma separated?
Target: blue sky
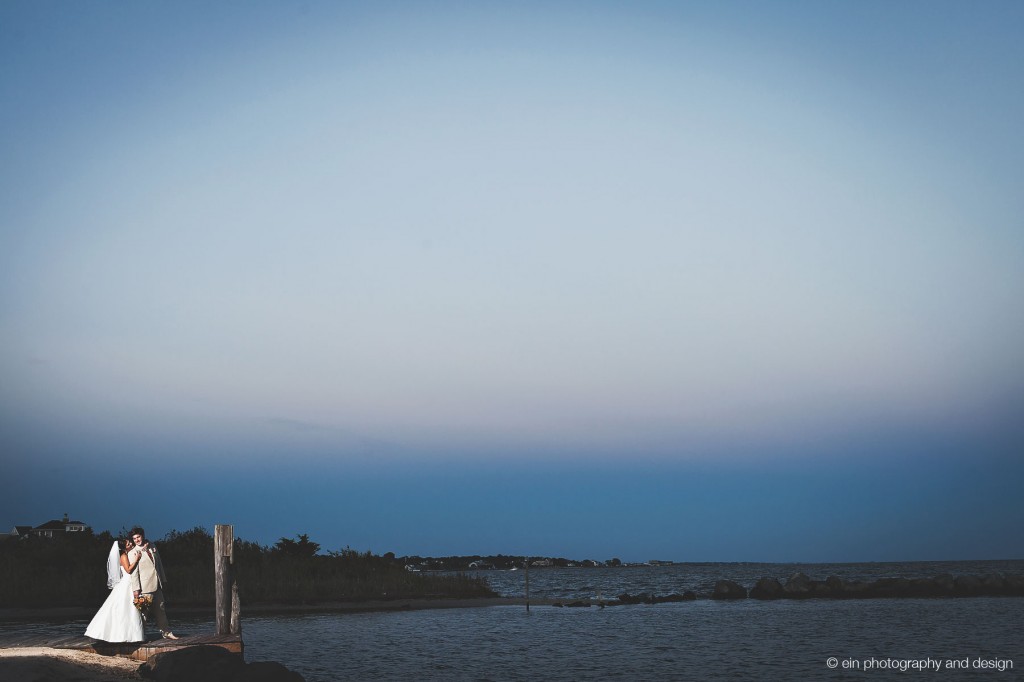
{"x": 696, "y": 281}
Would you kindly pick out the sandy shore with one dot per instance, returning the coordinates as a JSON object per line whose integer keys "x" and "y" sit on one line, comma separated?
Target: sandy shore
{"x": 39, "y": 663}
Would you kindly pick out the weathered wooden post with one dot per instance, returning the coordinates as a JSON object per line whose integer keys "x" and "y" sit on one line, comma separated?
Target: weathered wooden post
{"x": 228, "y": 609}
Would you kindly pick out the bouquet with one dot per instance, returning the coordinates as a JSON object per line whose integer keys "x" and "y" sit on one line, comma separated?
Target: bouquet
{"x": 142, "y": 603}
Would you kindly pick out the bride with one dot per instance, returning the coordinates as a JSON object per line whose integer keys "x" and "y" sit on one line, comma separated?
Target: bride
{"x": 118, "y": 620}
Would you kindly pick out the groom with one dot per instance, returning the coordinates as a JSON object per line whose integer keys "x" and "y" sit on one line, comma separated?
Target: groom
{"x": 148, "y": 578}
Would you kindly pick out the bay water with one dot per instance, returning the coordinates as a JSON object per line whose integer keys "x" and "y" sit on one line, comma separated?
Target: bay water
{"x": 937, "y": 639}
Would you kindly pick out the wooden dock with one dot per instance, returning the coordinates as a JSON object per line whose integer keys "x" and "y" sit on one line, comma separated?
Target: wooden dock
{"x": 227, "y": 616}
{"x": 139, "y": 651}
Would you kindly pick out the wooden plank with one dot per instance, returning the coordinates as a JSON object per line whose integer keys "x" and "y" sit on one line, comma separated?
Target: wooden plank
{"x": 146, "y": 650}
{"x": 21, "y": 640}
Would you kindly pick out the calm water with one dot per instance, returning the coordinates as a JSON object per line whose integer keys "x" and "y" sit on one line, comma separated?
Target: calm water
{"x": 745, "y": 640}
{"x": 700, "y": 640}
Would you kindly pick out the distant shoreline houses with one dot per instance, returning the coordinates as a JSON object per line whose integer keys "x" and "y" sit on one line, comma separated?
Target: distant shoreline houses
{"x": 502, "y": 562}
{"x": 50, "y": 529}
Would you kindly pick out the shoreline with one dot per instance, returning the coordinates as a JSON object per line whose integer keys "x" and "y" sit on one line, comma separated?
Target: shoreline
{"x": 63, "y": 613}
{"x": 799, "y": 587}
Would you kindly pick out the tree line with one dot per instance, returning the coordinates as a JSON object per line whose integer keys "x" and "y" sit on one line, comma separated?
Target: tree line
{"x": 71, "y": 571}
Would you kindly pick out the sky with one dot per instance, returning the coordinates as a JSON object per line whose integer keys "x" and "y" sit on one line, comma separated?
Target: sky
{"x": 732, "y": 281}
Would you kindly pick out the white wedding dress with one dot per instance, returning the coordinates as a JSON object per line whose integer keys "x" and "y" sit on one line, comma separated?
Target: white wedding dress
{"x": 117, "y": 620}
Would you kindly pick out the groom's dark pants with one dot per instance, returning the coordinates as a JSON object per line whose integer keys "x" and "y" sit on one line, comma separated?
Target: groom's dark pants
{"x": 158, "y": 612}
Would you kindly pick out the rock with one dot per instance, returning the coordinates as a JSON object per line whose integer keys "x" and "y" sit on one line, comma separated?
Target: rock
{"x": 642, "y": 598}
{"x": 1015, "y": 584}
{"x": 267, "y": 671}
{"x": 889, "y": 587}
{"x": 967, "y": 585}
{"x": 992, "y": 584}
{"x": 193, "y": 664}
{"x": 648, "y": 598}
{"x": 918, "y": 587}
{"x": 799, "y": 586}
{"x": 213, "y": 664}
{"x": 670, "y": 598}
{"x": 855, "y": 589}
{"x": 939, "y": 586}
{"x": 727, "y": 589}
{"x": 820, "y": 589}
{"x": 944, "y": 584}
{"x": 767, "y": 588}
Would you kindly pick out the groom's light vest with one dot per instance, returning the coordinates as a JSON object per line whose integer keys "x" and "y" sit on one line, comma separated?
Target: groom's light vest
{"x": 148, "y": 576}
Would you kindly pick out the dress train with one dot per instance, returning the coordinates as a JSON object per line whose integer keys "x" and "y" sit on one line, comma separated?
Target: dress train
{"x": 118, "y": 620}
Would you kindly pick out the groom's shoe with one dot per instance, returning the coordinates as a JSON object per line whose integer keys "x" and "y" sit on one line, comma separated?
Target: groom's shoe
{"x": 169, "y": 635}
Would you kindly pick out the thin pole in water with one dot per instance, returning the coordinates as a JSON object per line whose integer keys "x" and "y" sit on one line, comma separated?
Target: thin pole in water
{"x": 527, "y": 585}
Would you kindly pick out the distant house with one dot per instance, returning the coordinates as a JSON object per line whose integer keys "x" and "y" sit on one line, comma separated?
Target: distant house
{"x": 55, "y": 528}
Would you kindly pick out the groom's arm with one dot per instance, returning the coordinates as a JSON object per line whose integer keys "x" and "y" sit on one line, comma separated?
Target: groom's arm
{"x": 159, "y": 567}
{"x": 136, "y": 580}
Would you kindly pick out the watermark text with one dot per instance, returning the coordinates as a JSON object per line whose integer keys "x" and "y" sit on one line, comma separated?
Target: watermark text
{"x": 932, "y": 664}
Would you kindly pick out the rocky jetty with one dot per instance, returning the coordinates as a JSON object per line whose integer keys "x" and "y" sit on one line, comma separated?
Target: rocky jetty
{"x": 727, "y": 589}
{"x": 768, "y": 588}
{"x": 645, "y": 598}
{"x": 800, "y": 586}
